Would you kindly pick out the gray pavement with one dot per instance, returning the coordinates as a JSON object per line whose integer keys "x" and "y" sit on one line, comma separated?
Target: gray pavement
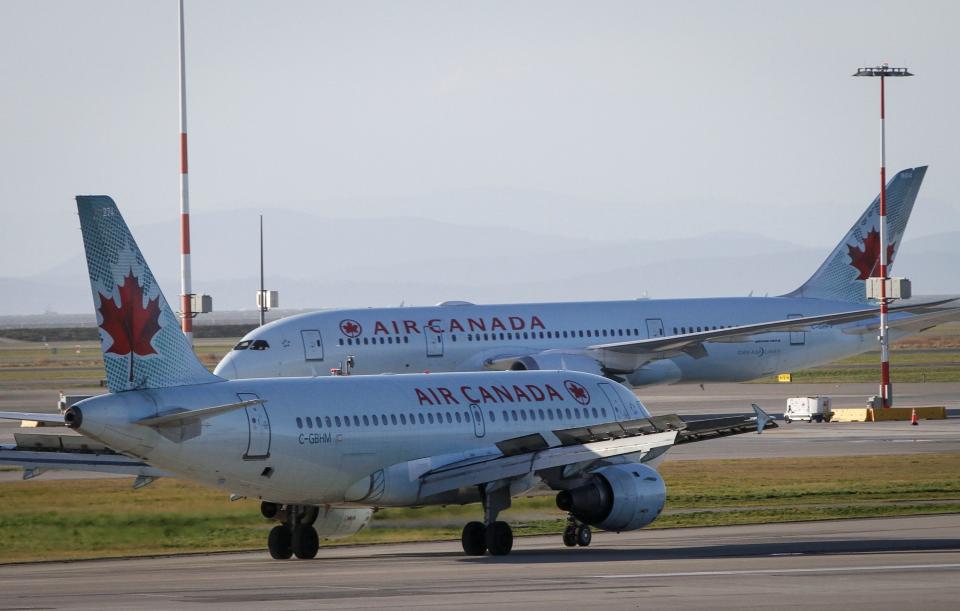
{"x": 893, "y": 563}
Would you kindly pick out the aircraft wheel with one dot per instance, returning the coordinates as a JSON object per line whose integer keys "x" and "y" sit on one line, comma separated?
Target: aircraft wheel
{"x": 584, "y": 535}
{"x": 279, "y": 542}
{"x": 570, "y": 536}
{"x": 305, "y": 542}
{"x": 474, "y": 539}
{"x": 499, "y": 539}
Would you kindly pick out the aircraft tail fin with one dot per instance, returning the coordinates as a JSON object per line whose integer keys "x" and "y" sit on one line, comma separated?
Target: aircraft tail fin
{"x": 841, "y": 277}
{"x": 140, "y": 335}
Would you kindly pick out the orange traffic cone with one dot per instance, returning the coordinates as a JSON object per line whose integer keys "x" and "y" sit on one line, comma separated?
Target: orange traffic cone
{"x": 913, "y": 417}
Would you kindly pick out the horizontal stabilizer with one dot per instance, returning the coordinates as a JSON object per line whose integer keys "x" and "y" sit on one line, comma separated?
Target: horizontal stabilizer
{"x": 187, "y": 416}
{"x": 35, "y": 416}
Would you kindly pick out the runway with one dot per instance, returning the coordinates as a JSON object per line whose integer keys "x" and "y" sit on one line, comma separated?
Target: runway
{"x": 894, "y": 563}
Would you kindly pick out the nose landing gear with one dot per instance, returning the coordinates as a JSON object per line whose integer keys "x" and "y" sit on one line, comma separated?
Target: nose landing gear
{"x": 295, "y": 535}
{"x": 576, "y": 533}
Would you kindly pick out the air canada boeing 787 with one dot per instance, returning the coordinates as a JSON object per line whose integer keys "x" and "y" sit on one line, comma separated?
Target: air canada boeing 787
{"x": 637, "y": 342}
{"x": 322, "y": 453}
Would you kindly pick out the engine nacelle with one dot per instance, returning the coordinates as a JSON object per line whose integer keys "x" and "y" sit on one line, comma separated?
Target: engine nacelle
{"x": 617, "y": 498}
{"x": 663, "y": 371}
{"x": 336, "y": 522}
{"x": 557, "y": 360}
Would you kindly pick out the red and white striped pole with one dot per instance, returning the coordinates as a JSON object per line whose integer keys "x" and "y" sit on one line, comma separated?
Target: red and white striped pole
{"x": 886, "y": 388}
{"x": 186, "y": 290}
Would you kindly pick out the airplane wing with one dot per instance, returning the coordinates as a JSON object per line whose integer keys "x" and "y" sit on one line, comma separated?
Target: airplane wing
{"x": 692, "y": 343}
{"x": 912, "y": 324}
{"x": 531, "y": 454}
{"x": 37, "y": 453}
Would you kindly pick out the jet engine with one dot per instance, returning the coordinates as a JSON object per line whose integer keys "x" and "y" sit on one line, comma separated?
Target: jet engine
{"x": 556, "y": 360}
{"x": 336, "y": 522}
{"x": 617, "y": 498}
{"x": 329, "y": 522}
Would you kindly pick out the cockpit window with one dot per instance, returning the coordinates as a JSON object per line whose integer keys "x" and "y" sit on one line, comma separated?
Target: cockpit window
{"x": 243, "y": 345}
{"x": 260, "y": 344}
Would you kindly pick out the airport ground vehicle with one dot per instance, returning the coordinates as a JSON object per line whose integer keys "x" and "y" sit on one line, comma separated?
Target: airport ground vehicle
{"x": 811, "y": 409}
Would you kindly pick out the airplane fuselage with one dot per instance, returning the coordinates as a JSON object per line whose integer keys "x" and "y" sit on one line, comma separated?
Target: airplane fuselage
{"x": 466, "y": 337}
{"x": 319, "y": 440}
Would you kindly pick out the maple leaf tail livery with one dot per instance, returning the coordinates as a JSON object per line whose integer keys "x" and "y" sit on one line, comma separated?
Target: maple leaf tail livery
{"x": 842, "y": 275}
{"x": 140, "y": 335}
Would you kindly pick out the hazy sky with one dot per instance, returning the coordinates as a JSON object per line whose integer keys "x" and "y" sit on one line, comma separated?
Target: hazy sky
{"x": 597, "y": 119}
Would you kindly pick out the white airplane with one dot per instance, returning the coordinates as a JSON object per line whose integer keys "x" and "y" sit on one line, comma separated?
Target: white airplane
{"x": 322, "y": 453}
{"x": 637, "y": 342}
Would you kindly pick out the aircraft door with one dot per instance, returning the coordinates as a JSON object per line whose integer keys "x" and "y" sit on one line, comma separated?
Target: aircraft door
{"x": 619, "y": 412}
{"x": 797, "y": 338}
{"x": 258, "y": 426}
{"x": 654, "y": 327}
{"x": 312, "y": 345}
{"x": 434, "y": 341}
{"x": 479, "y": 427}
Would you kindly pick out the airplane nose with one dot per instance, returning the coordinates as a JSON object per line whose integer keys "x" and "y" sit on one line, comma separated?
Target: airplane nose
{"x": 227, "y": 369}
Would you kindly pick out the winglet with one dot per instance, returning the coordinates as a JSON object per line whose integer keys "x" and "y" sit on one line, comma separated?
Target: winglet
{"x": 763, "y": 418}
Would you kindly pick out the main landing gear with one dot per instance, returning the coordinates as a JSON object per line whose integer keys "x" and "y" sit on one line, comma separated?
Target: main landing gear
{"x": 295, "y": 535}
{"x": 490, "y": 535}
{"x": 576, "y": 533}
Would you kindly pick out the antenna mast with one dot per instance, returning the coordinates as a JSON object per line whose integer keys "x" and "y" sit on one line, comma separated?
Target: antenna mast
{"x": 186, "y": 288}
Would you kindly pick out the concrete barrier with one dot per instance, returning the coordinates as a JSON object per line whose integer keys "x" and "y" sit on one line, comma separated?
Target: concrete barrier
{"x": 867, "y": 414}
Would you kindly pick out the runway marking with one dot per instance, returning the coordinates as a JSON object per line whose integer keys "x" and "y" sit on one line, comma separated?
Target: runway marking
{"x": 839, "y": 569}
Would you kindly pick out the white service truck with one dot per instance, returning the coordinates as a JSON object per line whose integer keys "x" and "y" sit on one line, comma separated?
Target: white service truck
{"x": 808, "y": 408}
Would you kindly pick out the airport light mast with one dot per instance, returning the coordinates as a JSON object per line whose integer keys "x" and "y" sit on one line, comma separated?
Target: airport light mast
{"x": 883, "y": 71}
{"x": 186, "y": 289}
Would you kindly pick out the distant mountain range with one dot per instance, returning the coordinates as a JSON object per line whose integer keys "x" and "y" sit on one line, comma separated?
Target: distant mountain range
{"x": 318, "y": 263}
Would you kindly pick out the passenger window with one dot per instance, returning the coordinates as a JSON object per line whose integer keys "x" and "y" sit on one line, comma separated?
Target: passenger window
{"x": 492, "y": 417}
{"x": 430, "y": 418}
{"x": 550, "y": 414}
{"x": 382, "y": 341}
{"x": 603, "y": 412}
{"x": 485, "y": 337}
{"x": 243, "y": 345}
{"x": 340, "y": 341}
{"x": 505, "y": 417}
{"x": 299, "y": 423}
{"x": 454, "y": 337}
{"x": 576, "y": 413}
{"x": 525, "y": 335}
{"x": 457, "y": 414}
{"x": 595, "y": 415}
{"x": 337, "y": 420}
{"x": 420, "y": 417}
{"x": 588, "y": 333}
{"x": 406, "y": 340}
{"x": 513, "y": 414}
{"x": 449, "y": 418}
{"x": 356, "y": 420}
{"x": 366, "y": 420}
{"x": 569, "y": 415}
{"x": 376, "y": 421}
{"x": 309, "y": 422}
{"x": 502, "y": 337}
{"x": 366, "y": 342}
{"x": 541, "y": 414}
{"x": 403, "y": 419}
{"x": 581, "y": 333}
{"x": 327, "y": 420}
{"x": 523, "y": 415}
{"x": 346, "y": 421}
{"x": 393, "y": 419}
{"x": 383, "y": 419}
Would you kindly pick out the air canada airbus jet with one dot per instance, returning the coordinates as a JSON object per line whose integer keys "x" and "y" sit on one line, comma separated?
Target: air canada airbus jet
{"x": 636, "y": 342}
{"x": 322, "y": 453}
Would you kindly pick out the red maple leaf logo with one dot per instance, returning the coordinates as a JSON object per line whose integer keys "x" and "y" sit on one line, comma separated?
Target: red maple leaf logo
{"x": 350, "y": 328}
{"x": 578, "y": 392}
{"x": 131, "y": 326}
{"x": 867, "y": 260}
